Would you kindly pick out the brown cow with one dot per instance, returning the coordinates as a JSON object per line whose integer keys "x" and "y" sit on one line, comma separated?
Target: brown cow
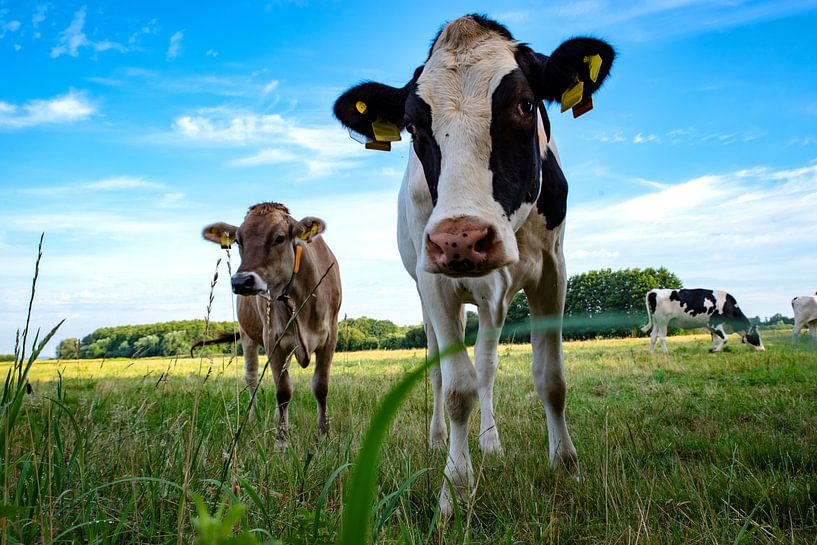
{"x": 270, "y": 287}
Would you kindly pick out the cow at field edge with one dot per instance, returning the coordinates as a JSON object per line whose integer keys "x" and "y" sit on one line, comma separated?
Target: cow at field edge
{"x": 805, "y": 313}
{"x": 272, "y": 281}
{"x": 715, "y": 310}
{"x": 481, "y": 213}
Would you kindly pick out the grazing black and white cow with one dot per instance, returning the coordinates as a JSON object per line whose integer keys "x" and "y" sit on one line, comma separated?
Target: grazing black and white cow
{"x": 715, "y": 310}
{"x": 805, "y": 314}
{"x": 481, "y": 212}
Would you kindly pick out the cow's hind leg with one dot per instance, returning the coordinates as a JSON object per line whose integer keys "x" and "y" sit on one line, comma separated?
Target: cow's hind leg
{"x": 547, "y": 301}
{"x": 487, "y": 361}
{"x": 320, "y": 380}
{"x": 795, "y": 331}
{"x": 812, "y": 329}
{"x": 250, "y": 349}
{"x": 459, "y": 386}
{"x": 653, "y": 337}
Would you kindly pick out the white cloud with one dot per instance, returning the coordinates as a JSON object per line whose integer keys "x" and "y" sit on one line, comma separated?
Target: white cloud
{"x": 172, "y": 200}
{"x": 67, "y": 108}
{"x": 643, "y": 139}
{"x": 270, "y": 87}
{"x": 212, "y": 53}
{"x": 39, "y": 15}
{"x": 175, "y": 45}
{"x": 111, "y": 184}
{"x": 72, "y": 39}
{"x": 10, "y": 26}
{"x": 119, "y": 183}
{"x": 323, "y": 149}
{"x": 269, "y": 156}
{"x": 753, "y": 223}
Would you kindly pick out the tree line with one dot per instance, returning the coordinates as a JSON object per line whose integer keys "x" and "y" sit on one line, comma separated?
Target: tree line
{"x": 602, "y": 303}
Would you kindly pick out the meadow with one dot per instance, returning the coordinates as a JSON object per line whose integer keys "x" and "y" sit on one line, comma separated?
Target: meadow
{"x": 689, "y": 447}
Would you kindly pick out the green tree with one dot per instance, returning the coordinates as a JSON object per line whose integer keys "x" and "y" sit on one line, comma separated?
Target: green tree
{"x": 147, "y": 346}
{"x": 607, "y": 303}
{"x": 68, "y": 349}
{"x": 175, "y": 343}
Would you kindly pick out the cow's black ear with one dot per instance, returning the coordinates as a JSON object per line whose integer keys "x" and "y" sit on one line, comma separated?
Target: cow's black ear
{"x": 575, "y": 60}
{"x": 368, "y": 102}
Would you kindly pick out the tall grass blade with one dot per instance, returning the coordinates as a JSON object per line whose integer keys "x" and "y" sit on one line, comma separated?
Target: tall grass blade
{"x": 359, "y": 496}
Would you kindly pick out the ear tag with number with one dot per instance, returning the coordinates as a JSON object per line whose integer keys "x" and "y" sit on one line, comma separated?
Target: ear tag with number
{"x": 572, "y": 96}
{"x": 385, "y": 131}
{"x": 226, "y": 241}
{"x": 594, "y": 65}
{"x": 361, "y": 107}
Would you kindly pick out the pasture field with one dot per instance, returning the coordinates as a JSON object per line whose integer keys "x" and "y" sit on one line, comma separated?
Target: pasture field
{"x": 686, "y": 448}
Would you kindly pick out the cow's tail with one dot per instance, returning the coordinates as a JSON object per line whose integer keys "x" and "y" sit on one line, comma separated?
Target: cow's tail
{"x": 650, "y": 301}
{"x": 223, "y": 338}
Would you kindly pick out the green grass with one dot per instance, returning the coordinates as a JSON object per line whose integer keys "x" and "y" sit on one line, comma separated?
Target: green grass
{"x": 686, "y": 448}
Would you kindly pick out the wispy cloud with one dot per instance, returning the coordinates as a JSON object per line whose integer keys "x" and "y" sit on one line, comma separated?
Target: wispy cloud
{"x": 39, "y": 15}
{"x": 73, "y": 38}
{"x": 323, "y": 149}
{"x": 680, "y": 136}
{"x": 175, "y": 45}
{"x": 111, "y": 184}
{"x": 10, "y": 26}
{"x": 70, "y": 107}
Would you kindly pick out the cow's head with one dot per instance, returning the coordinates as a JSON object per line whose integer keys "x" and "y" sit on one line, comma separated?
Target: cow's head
{"x": 266, "y": 242}
{"x": 475, "y": 114}
{"x": 752, "y": 338}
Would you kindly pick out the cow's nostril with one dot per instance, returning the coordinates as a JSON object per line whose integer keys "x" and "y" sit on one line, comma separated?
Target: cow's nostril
{"x": 486, "y": 240}
{"x": 434, "y": 249}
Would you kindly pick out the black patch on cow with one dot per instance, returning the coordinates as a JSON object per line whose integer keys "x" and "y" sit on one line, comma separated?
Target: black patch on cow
{"x": 715, "y": 331}
{"x": 693, "y": 301}
{"x": 652, "y": 301}
{"x": 732, "y": 315}
{"x": 418, "y": 113}
{"x": 753, "y": 337}
{"x": 515, "y": 159}
{"x": 552, "y": 201}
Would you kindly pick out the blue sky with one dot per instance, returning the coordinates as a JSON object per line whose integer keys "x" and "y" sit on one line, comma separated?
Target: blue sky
{"x": 126, "y": 127}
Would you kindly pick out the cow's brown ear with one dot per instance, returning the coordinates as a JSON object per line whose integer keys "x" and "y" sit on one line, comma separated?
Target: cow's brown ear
{"x": 308, "y": 228}
{"x": 220, "y": 233}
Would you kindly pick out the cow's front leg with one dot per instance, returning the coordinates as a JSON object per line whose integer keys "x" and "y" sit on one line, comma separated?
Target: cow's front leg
{"x": 487, "y": 362}
{"x": 547, "y": 301}
{"x": 250, "y": 349}
{"x": 437, "y": 429}
{"x": 718, "y": 338}
{"x": 283, "y": 393}
{"x": 459, "y": 386}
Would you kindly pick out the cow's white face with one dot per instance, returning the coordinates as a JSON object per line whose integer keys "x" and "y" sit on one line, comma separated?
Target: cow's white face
{"x": 473, "y": 110}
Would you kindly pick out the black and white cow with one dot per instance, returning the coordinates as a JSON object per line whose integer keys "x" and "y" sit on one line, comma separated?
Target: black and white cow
{"x": 805, "y": 314}
{"x": 481, "y": 212}
{"x": 715, "y": 310}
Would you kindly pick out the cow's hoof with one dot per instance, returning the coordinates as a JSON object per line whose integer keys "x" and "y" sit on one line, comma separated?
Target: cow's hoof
{"x": 567, "y": 460}
{"x": 437, "y": 437}
{"x": 489, "y": 442}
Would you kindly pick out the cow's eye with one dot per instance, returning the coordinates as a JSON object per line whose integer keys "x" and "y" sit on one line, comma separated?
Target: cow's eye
{"x": 524, "y": 108}
{"x": 410, "y": 128}
{"x": 279, "y": 239}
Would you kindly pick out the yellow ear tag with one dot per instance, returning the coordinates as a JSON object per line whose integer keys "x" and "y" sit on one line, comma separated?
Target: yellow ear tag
{"x": 385, "y": 131}
{"x": 594, "y": 62}
{"x": 572, "y": 96}
{"x": 361, "y": 107}
{"x": 298, "y": 251}
{"x": 311, "y": 233}
{"x": 226, "y": 242}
